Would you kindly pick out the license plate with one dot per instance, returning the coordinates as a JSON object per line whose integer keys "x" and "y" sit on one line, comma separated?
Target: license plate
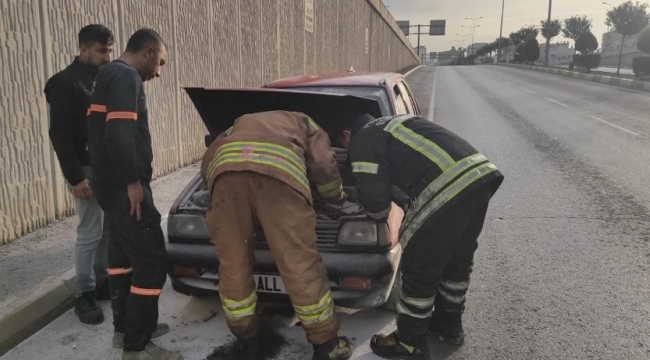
{"x": 269, "y": 284}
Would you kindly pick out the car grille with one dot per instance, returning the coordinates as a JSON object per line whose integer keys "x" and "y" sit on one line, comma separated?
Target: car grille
{"x": 326, "y": 235}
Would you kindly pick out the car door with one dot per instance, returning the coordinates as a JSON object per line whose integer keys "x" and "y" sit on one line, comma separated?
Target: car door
{"x": 411, "y": 105}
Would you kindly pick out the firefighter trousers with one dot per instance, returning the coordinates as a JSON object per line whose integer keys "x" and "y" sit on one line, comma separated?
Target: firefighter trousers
{"x": 243, "y": 203}
{"x": 436, "y": 266}
{"x": 136, "y": 264}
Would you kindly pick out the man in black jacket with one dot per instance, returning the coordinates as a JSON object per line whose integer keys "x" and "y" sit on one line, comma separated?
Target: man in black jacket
{"x": 121, "y": 153}
{"x": 68, "y": 94}
{"x": 450, "y": 185}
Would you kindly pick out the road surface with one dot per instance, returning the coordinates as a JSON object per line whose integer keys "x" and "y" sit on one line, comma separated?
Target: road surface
{"x": 563, "y": 266}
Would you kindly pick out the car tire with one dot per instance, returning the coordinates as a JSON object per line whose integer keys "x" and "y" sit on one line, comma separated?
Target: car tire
{"x": 393, "y": 297}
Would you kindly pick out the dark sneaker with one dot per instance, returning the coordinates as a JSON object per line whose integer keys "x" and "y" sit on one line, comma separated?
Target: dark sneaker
{"x": 390, "y": 347}
{"x": 449, "y": 329}
{"x": 339, "y": 348}
{"x": 118, "y": 337}
{"x": 102, "y": 291}
{"x": 247, "y": 349}
{"x": 87, "y": 309}
{"x": 151, "y": 352}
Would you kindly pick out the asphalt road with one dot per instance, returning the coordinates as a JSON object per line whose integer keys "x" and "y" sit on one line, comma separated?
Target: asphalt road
{"x": 563, "y": 266}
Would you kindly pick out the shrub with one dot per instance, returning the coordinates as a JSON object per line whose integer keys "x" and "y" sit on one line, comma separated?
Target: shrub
{"x": 589, "y": 61}
{"x": 641, "y": 66}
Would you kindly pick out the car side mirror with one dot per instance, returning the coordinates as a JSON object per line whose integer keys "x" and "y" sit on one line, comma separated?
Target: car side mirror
{"x": 209, "y": 139}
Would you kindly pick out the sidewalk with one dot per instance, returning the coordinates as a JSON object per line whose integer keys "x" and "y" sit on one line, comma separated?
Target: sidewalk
{"x": 38, "y": 269}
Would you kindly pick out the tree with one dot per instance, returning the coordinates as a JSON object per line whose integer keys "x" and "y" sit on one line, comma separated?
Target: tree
{"x": 550, "y": 29}
{"x": 575, "y": 26}
{"x": 628, "y": 19}
{"x": 531, "y": 50}
{"x": 520, "y": 36}
{"x": 587, "y": 43}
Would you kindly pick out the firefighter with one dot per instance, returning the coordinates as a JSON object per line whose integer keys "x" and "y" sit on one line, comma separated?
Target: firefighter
{"x": 68, "y": 94}
{"x": 259, "y": 174}
{"x": 121, "y": 156}
{"x": 450, "y": 185}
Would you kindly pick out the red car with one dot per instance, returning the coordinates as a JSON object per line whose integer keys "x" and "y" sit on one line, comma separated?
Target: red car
{"x": 361, "y": 256}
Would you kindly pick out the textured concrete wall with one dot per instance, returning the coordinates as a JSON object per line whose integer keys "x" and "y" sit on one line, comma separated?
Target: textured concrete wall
{"x": 212, "y": 43}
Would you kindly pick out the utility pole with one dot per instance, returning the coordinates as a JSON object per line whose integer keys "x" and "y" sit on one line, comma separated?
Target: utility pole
{"x": 503, "y": 6}
{"x": 548, "y": 40}
{"x": 419, "y": 26}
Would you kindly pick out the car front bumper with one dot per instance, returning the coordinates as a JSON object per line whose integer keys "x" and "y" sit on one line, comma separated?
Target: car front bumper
{"x": 378, "y": 270}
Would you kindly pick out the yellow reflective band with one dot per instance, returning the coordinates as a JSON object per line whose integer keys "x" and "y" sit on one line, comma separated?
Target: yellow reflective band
{"x": 313, "y": 127}
{"x": 365, "y": 167}
{"x": 439, "y": 201}
{"x": 440, "y": 182}
{"x": 239, "y": 309}
{"x": 408, "y": 348}
{"x": 420, "y": 303}
{"x": 299, "y": 168}
{"x": 311, "y": 314}
{"x": 260, "y": 159}
{"x": 455, "y": 286}
{"x": 331, "y": 189}
{"x": 401, "y": 309}
{"x": 274, "y": 149}
{"x": 456, "y": 299}
{"x": 420, "y": 144}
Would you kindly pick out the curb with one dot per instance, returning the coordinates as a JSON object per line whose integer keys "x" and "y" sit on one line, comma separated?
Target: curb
{"x": 23, "y": 317}
{"x": 412, "y": 70}
{"x": 601, "y": 79}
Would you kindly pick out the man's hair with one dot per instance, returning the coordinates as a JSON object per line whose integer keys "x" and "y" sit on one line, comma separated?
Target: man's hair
{"x": 95, "y": 33}
{"x": 143, "y": 38}
{"x": 352, "y": 121}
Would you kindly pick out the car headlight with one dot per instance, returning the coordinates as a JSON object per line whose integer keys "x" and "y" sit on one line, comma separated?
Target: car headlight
{"x": 187, "y": 226}
{"x": 363, "y": 233}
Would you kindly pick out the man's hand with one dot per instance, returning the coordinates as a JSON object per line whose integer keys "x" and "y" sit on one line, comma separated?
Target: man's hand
{"x": 136, "y": 195}
{"x": 82, "y": 190}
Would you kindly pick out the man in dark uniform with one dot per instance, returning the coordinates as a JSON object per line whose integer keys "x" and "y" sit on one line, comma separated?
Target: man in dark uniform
{"x": 450, "y": 185}
{"x": 121, "y": 157}
{"x": 68, "y": 95}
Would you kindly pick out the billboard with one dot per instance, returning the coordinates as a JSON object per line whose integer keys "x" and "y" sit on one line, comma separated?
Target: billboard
{"x": 405, "y": 26}
{"x": 437, "y": 27}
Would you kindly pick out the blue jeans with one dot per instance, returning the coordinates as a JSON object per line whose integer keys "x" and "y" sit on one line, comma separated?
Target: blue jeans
{"x": 91, "y": 249}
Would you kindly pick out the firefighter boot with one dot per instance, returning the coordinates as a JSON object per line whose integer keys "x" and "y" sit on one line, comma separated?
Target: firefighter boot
{"x": 118, "y": 337}
{"x": 390, "y": 347}
{"x": 339, "y": 348}
{"x": 87, "y": 309}
{"x": 447, "y": 322}
{"x": 151, "y": 352}
{"x": 247, "y": 349}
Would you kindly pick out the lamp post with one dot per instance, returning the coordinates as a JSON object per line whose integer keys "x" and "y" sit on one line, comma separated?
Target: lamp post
{"x": 503, "y": 6}
{"x": 610, "y": 8}
{"x": 473, "y": 20}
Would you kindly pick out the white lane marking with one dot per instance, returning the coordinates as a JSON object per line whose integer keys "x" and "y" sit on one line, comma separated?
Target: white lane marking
{"x": 616, "y": 126}
{"x": 528, "y": 90}
{"x": 432, "y": 103}
{"x": 557, "y": 102}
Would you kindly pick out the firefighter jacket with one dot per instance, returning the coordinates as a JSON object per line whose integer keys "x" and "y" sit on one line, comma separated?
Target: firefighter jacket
{"x": 412, "y": 155}
{"x": 287, "y": 146}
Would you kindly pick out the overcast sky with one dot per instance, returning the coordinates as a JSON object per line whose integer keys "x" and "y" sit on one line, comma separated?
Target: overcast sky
{"x": 518, "y": 13}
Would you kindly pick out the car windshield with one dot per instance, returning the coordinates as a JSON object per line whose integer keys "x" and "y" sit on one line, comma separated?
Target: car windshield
{"x": 372, "y": 92}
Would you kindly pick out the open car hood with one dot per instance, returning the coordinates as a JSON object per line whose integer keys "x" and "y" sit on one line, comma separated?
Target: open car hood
{"x": 219, "y": 108}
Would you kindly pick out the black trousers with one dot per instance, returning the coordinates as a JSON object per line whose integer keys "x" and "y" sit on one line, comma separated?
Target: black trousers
{"x": 136, "y": 260}
{"x": 436, "y": 266}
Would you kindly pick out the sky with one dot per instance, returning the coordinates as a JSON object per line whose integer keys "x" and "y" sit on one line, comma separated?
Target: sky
{"x": 518, "y": 13}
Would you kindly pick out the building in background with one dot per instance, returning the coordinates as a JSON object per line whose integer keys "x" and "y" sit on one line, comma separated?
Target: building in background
{"x": 611, "y": 47}
{"x": 444, "y": 57}
{"x": 559, "y": 53}
{"x": 476, "y": 47}
{"x": 422, "y": 51}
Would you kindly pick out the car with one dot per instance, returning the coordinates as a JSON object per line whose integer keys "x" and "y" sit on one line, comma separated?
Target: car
{"x": 361, "y": 255}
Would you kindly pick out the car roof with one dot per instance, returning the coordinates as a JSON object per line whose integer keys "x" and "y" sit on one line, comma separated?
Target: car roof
{"x": 337, "y": 79}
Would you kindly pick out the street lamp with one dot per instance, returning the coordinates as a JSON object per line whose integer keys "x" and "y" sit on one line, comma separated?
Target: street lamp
{"x": 610, "y": 8}
{"x": 473, "y": 20}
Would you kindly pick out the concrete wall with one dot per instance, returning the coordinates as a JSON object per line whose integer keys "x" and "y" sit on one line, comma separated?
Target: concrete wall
{"x": 213, "y": 43}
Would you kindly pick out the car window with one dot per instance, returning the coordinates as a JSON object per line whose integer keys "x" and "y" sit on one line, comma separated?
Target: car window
{"x": 400, "y": 104}
{"x": 405, "y": 90}
{"x": 376, "y": 93}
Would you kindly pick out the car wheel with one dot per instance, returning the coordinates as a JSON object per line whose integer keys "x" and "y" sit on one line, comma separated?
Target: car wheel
{"x": 393, "y": 297}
